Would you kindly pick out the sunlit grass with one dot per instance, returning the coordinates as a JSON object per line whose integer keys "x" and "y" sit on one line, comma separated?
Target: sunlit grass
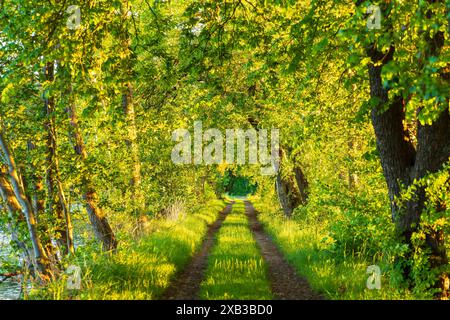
{"x": 141, "y": 269}
{"x": 236, "y": 269}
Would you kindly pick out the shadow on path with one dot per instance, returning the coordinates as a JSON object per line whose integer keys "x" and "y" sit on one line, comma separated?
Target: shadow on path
{"x": 286, "y": 284}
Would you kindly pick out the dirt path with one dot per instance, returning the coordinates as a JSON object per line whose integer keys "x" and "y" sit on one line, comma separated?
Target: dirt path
{"x": 286, "y": 284}
{"x": 187, "y": 284}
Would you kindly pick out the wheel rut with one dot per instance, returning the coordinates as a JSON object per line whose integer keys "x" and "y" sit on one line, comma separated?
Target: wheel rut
{"x": 186, "y": 285}
{"x": 286, "y": 284}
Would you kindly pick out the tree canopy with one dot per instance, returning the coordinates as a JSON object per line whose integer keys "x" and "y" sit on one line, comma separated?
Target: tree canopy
{"x": 92, "y": 91}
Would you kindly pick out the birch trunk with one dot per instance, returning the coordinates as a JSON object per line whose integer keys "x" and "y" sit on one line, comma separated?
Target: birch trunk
{"x": 97, "y": 217}
{"x": 15, "y": 215}
{"x": 402, "y": 162}
{"x": 57, "y": 205}
{"x": 42, "y": 263}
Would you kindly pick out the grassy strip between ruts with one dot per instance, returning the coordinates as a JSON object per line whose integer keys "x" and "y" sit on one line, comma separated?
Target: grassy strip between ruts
{"x": 142, "y": 269}
{"x": 236, "y": 269}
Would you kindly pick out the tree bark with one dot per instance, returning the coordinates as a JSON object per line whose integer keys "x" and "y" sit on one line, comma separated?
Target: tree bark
{"x": 352, "y": 176}
{"x": 128, "y": 107}
{"x": 38, "y": 195}
{"x": 56, "y": 204}
{"x": 302, "y": 184}
{"x": 97, "y": 217}
{"x": 402, "y": 163}
{"x": 133, "y": 147}
{"x": 283, "y": 188}
{"x": 68, "y": 219}
{"x": 15, "y": 215}
{"x": 288, "y": 194}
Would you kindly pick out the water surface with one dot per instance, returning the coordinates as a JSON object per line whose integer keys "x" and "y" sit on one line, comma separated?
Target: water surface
{"x": 10, "y": 288}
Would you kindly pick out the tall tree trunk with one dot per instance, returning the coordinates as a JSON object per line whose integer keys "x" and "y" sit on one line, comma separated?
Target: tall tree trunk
{"x": 300, "y": 179}
{"x": 401, "y": 162}
{"x": 288, "y": 193}
{"x": 97, "y": 217}
{"x": 41, "y": 262}
{"x": 38, "y": 196}
{"x": 352, "y": 176}
{"x": 302, "y": 184}
{"x": 68, "y": 219}
{"x": 56, "y": 205}
{"x": 284, "y": 196}
{"x": 133, "y": 147}
{"x": 128, "y": 107}
{"x": 15, "y": 215}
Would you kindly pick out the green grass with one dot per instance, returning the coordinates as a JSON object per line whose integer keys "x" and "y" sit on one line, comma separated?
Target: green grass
{"x": 236, "y": 269}
{"x": 306, "y": 246}
{"x": 140, "y": 269}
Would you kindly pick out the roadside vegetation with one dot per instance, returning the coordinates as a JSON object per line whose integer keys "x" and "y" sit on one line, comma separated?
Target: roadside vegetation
{"x": 143, "y": 268}
{"x": 334, "y": 260}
